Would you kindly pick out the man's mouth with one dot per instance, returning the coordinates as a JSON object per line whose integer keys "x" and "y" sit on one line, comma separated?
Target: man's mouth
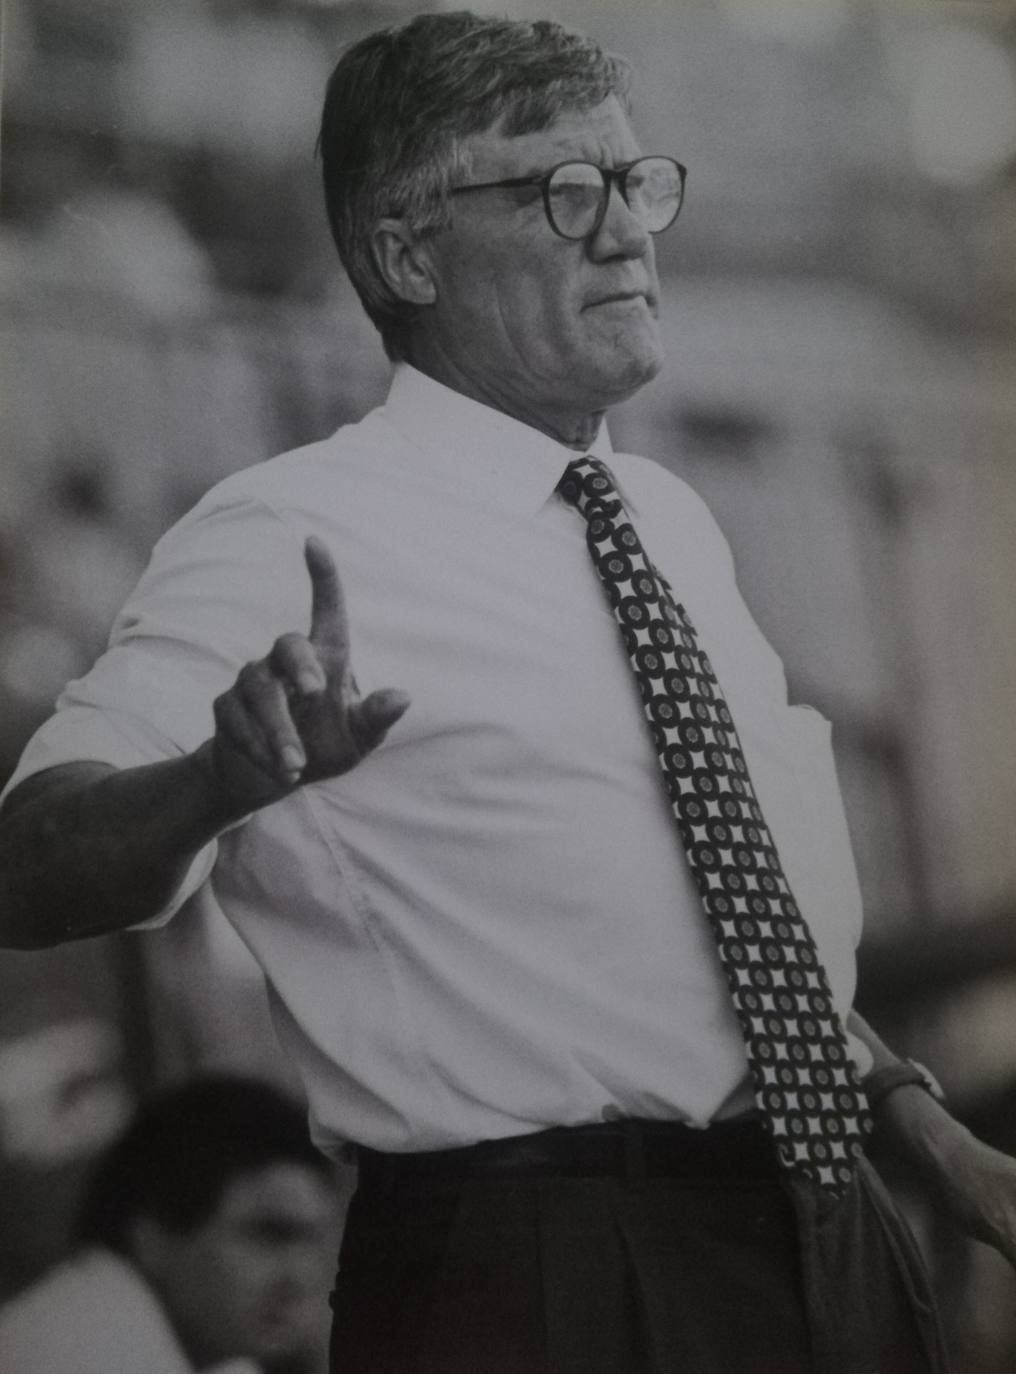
{"x": 624, "y": 298}
{"x": 616, "y": 296}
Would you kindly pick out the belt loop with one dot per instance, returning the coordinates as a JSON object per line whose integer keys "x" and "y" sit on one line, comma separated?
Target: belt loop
{"x": 634, "y": 1155}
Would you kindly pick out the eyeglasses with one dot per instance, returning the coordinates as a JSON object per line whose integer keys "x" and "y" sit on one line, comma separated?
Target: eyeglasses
{"x": 576, "y": 194}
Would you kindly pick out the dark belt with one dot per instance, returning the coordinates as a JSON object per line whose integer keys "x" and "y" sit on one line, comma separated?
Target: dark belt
{"x": 630, "y": 1150}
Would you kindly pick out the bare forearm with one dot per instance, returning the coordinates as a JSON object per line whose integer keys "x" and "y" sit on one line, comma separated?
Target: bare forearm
{"x": 85, "y": 849}
{"x": 974, "y": 1184}
{"x": 908, "y": 1120}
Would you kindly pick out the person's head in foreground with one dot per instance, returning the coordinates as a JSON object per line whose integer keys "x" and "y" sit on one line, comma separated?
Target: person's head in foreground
{"x": 216, "y": 1196}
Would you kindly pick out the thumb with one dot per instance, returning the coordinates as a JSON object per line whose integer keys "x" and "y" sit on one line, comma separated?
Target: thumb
{"x": 371, "y": 719}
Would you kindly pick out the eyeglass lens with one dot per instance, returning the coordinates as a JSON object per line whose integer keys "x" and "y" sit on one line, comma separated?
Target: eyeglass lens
{"x": 576, "y": 195}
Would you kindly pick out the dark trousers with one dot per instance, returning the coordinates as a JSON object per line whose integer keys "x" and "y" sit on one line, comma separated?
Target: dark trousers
{"x": 559, "y": 1254}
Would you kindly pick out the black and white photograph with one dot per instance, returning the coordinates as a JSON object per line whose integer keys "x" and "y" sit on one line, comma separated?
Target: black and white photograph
{"x": 507, "y": 663}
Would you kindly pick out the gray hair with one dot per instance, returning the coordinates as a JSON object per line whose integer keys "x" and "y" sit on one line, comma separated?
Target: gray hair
{"x": 400, "y": 102}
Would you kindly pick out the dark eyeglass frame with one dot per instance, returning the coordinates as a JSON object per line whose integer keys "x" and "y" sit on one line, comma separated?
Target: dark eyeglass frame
{"x": 611, "y": 176}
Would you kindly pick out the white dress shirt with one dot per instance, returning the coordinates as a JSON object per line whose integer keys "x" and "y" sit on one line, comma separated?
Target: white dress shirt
{"x": 489, "y": 926}
{"x": 94, "y": 1314}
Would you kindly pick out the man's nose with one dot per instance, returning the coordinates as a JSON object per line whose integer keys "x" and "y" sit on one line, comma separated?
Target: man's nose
{"x": 621, "y": 232}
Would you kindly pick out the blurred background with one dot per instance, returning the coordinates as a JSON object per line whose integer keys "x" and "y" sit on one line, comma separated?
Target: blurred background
{"x": 840, "y": 308}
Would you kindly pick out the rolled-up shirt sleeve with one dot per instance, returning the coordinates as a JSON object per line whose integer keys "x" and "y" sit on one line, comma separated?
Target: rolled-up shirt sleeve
{"x": 220, "y": 588}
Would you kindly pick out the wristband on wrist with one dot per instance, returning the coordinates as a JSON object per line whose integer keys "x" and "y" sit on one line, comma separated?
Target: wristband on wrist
{"x": 881, "y": 1082}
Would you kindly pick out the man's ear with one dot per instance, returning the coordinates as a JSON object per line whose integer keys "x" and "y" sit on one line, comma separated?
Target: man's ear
{"x": 403, "y": 262}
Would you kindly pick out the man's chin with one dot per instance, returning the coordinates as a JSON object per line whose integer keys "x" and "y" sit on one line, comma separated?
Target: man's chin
{"x": 633, "y": 369}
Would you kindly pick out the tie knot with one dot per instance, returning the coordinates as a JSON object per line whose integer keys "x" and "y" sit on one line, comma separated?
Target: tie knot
{"x": 587, "y": 480}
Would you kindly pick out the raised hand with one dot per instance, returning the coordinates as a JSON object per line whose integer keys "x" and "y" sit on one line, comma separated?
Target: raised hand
{"x": 295, "y": 716}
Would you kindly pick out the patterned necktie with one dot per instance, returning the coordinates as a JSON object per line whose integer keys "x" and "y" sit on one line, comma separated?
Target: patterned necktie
{"x": 805, "y": 1083}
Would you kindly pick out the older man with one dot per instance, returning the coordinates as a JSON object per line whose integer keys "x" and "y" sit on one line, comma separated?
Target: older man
{"x": 578, "y": 990}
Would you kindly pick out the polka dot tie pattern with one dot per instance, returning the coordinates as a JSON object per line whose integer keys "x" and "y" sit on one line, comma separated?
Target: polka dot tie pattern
{"x": 805, "y": 1082}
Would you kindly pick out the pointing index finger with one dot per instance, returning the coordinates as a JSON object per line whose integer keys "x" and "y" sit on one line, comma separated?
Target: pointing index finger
{"x": 328, "y": 628}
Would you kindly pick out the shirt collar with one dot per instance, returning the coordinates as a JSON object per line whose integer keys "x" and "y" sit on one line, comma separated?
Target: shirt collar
{"x": 518, "y": 464}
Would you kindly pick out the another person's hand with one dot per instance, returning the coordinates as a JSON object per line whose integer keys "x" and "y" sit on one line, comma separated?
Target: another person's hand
{"x": 296, "y": 716}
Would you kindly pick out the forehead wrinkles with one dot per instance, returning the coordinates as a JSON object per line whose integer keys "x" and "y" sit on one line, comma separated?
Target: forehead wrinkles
{"x": 602, "y": 135}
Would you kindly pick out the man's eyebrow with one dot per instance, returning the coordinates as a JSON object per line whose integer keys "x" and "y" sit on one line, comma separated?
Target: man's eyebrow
{"x": 541, "y": 169}
{"x": 597, "y": 159}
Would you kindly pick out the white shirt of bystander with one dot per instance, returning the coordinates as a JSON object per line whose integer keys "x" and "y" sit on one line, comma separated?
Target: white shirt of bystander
{"x": 94, "y": 1314}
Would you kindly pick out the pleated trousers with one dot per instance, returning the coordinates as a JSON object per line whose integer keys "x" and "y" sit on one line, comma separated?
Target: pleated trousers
{"x": 551, "y": 1274}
